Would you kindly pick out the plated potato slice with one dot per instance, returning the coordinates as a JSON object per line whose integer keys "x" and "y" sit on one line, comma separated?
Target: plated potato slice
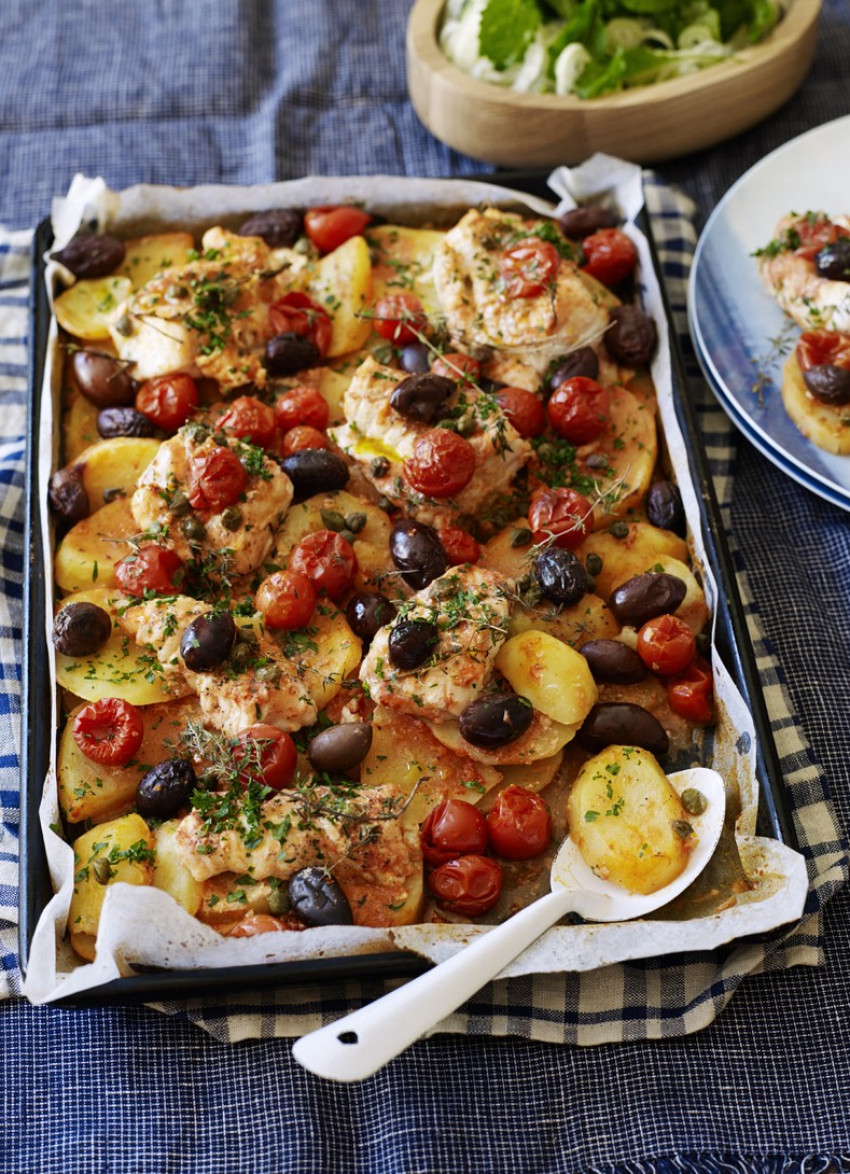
{"x": 826, "y": 425}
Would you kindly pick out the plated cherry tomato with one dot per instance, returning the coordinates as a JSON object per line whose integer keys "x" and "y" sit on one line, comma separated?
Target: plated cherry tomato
{"x": 519, "y": 824}
{"x": 813, "y": 232}
{"x": 331, "y": 225}
{"x": 689, "y": 693}
{"x": 327, "y": 559}
{"x": 217, "y": 479}
{"x": 303, "y": 436}
{"x": 109, "y": 731}
{"x": 816, "y": 348}
{"x": 666, "y": 645}
{"x": 301, "y": 405}
{"x": 609, "y": 255}
{"x": 297, "y": 313}
{"x": 452, "y": 829}
{"x": 578, "y": 409}
{"x": 287, "y": 600}
{"x": 459, "y": 545}
{"x": 563, "y": 515}
{"x": 400, "y": 318}
{"x": 455, "y": 365}
{"x": 441, "y": 465}
{"x": 528, "y": 267}
{"x": 469, "y": 885}
{"x": 523, "y": 409}
{"x": 168, "y": 401}
{"x": 249, "y": 419}
{"x": 268, "y": 754}
{"x": 150, "y": 568}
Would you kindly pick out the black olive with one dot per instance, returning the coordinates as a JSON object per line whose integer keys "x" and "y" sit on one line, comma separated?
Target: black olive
{"x": 833, "y": 261}
{"x": 417, "y": 552}
{"x": 80, "y": 629}
{"x": 102, "y": 380}
{"x": 341, "y": 748}
{"x": 318, "y": 899}
{"x": 495, "y": 721}
{"x": 367, "y": 612}
{"x": 561, "y": 576}
{"x": 280, "y": 228}
{"x": 621, "y": 723}
{"x": 663, "y": 504}
{"x": 613, "y": 662}
{"x": 67, "y": 494}
{"x": 421, "y": 397}
{"x": 289, "y": 352}
{"x": 315, "y": 470}
{"x": 643, "y": 597}
{"x": 416, "y": 358}
{"x": 208, "y": 641}
{"x": 411, "y": 642}
{"x": 829, "y": 384}
{"x": 166, "y": 788}
{"x": 123, "y": 422}
{"x": 91, "y": 254}
{"x": 584, "y": 361}
{"x": 632, "y": 335}
{"x": 581, "y": 222}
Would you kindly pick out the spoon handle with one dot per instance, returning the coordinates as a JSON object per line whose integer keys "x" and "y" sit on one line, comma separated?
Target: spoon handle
{"x": 357, "y": 1045}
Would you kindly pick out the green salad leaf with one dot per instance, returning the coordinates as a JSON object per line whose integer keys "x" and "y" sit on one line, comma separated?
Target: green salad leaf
{"x": 506, "y": 30}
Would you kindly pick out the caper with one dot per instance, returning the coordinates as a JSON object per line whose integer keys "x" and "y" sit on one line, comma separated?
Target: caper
{"x": 193, "y": 529}
{"x": 521, "y": 537}
{"x": 379, "y": 467}
{"x": 348, "y": 535}
{"x": 179, "y": 504}
{"x": 270, "y": 674}
{"x": 619, "y": 530}
{"x": 693, "y": 801}
{"x": 333, "y": 520}
{"x": 355, "y": 522}
{"x": 682, "y": 828}
{"x": 593, "y": 563}
{"x": 231, "y": 519}
{"x": 103, "y": 870}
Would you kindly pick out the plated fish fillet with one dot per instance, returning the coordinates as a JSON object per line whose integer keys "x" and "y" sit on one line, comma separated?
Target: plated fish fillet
{"x": 788, "y": 270}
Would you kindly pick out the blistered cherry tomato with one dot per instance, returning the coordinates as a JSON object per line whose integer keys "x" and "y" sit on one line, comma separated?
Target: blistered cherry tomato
{"x": 269, "y": 755}
{"x": 286, "y": 599}
{"x": 564, "y": 515}
{"x": 400, "y": 318}
{"x": 441, "y": 465}
{"x": 457, "y": 366}
{"x": 109, "y": 731}
{"x": 217, "y": 479}
{"x": 609, "y": 256}
{"x": 689, "y": 693}
{"x": 150, "y": 568}
{"x": 460, "y": 546}
{"x": 519, "y": 824}
{"x": 303, "y": 436}
{"x": 452, "y": 829}
{"x": 469, "y": 885}
{"x": 523, "y": 409}
{"x": 249, "y": 419}
{"x": 296, "y": 313}
{"x": 823, "y": 347}
{"x": 330, "y": 226}
{"x": 666, "y": 645}
{"x": 301, "y": 405}
{"x": 578, "y": 409}
{"x": 528, "y": 267}
{"x": 813, "y": 233}
{"x": 327, "y": 559}
{"x": 168, "y": 400}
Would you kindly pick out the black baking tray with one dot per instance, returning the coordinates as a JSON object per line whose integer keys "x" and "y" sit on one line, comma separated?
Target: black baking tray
{"x": 732, "y": 642}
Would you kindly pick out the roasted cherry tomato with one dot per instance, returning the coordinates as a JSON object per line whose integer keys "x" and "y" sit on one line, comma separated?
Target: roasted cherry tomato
{"x": 666, "y": 645}
{"x": 296, "y": 313}
{"x": 689, "y": 693}
{"x": 108, "y": 731}
{"x": 150, "y": 568}
{"x": 813, "y": 232}
{"x": 817, "y": 348}
{"x": 400, "y": 318}
{"x": 217, "y": 479}
{"x": 452, "y": 829}
{"x": 523, "y": 409}
{"x": 457, "y": 366}
{"x": 609, "y": 256}
{"x": 563, "y": 515}
{"x": 441, "y": 465}
{"x": 528, "y": 267}
{"x": 168, "y": 400}
{"x": 248, "y": 418}
{"x": 519, "y": 824}
{"x": 459, "y": 545}
{"x": 578, "y": 409}
{"x": 268, "y": 754}
{"x": 301, "y": 405}
{"x": 328, "y": 561}
{"x": 303, "y": 436}
{"x": 469, "y": 885}
{"x": 286, "y": 599}
{"x": 330, "y": 226}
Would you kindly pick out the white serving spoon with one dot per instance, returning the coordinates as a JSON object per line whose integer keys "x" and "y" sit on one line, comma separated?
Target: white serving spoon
{"x": 357, "y": 1045}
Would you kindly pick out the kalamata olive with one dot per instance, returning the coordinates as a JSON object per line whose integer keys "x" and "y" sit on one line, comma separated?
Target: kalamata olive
{"x": 166, "y": 788}
{"x": 613, "y": 662}
{"x": 621, "y": 723}
{"x": 341, "y": 748}
{"x": 280, "y": 228}
{"x": 102, "y": 380}
{"x": 416, "y": 358}
{"x": 829, "y": 384}
{"x": 632, "y": 336}
{"x": 663, "y": 504}
{"x": 561, "y": 576}
{"x": 581, "y": 222}
{"x": 318, "y": 899}
{"x": 315, "y": 470}
{"x": 644, "y": 596}
{"x": 80, "y": 629}
{"x": 421, "y": 397}
{"x": 208, "y": 641}
{"x": 584, "y": 361}
{"x": 833, "y": 261}
{"x": 91, "y": 254}
{"x": 490, "y": 722}
{"x": 123, "y": 422}
{"x": 289, "y": 352}
{"x": 411, "y": 642}
{"x": 367, "y": 612}
{"x": 417, "y": 552}
{"x": 67, "y": 494}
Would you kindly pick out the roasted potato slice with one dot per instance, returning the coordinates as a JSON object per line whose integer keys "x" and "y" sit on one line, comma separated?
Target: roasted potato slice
{"x": 147, "y": 256}
{"x": 86, "y": 556}
{"x": 114, "y": 466}
{"x": 169, "y": 871}
{"x": 121, "y": 850}
{"x": 554, "y": 677}
{"x": 636, "y": 552}
{"x": 342, "y": 285}
{"x": 403, "y": 261}
{"x": 86, "y": 308}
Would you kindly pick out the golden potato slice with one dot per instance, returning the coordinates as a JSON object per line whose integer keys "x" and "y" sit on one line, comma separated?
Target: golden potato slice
{"x": 693, "y": 609}
{"x": 86, "y": 308}
{"x": 630, "y": 446}
{"x": 306, "y": 517}
{"x": 87, "y": 554}
{"x": 534, "y": 776}
{"x": 623, "y": 557}
{"x": 553, "y": 676}
{"x": 114, "y": 465}
{"x": 543, "y": 738}
{"x": 121, "y": 850}
{"x": 403, "y": 262}
{"x": 169, "y": 871}
{"x": 342, "y": 285}
{"x": 80, "y": 426}
{"x": 147, "y": 256}
{"x": 501, "y": 554}
{"x": 825, "y": 425}
{"x": 325, "y": 654}
{"x": 589, "y": 619}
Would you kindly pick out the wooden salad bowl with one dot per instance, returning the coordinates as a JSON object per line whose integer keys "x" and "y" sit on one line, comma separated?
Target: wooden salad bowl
{"x": 645, "y": 124}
